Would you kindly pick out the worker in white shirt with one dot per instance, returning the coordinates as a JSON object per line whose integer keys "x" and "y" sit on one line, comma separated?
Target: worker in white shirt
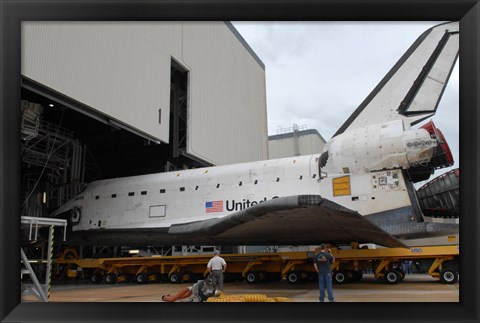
{"x": 217, "y": 267}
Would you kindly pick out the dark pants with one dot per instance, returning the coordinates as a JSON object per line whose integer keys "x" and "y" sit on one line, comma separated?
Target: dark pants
{"x": 217, "y": 279}
{"x": 325, "y": 281}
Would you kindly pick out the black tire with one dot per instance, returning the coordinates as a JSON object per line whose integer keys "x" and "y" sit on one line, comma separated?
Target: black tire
{"x": 294, "y": 277}
{"x": 96, "y": 278}
{"x": 448, "y": 276}
{"x": 392, "y": 276}
{"x": 141, "y": 278}
{"x": 111, "y": 278}
{"x": 253, "y": 277}
{"x": 340, "y": 277}
{"x": 402, "y": 273}
{"x": 176, "y": 278}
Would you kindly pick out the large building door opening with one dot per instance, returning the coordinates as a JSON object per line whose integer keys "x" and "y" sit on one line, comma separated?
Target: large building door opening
{"x": 178, "y": 109}
{"x": 179, "y": 82}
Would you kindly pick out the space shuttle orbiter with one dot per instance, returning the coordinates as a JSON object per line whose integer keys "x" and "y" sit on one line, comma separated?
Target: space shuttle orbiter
{"x": 359, "y": 189}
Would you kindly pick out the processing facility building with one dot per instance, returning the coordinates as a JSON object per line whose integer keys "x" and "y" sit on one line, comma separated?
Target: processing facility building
{"x": 295, "y": 141}
{"x": 113, "y": 99}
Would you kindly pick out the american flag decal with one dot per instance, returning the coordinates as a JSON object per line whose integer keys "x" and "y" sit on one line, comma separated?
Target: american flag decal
{"x": 214, "y": 206}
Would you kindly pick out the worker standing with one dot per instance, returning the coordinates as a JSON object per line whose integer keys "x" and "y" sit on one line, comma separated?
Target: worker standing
{"x": 322, "y": 264}
{"x": 217, "y": 267}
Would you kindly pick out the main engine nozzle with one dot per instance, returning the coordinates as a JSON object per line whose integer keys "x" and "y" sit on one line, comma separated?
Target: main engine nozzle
{"x": 442, "y": 156}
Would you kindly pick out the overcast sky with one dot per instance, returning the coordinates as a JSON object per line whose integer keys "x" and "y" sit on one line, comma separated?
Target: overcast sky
{"x": 317, "y": 73}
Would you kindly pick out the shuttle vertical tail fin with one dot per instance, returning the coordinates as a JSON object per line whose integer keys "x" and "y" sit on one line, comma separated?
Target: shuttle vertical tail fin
{"x": 412, "y": 89}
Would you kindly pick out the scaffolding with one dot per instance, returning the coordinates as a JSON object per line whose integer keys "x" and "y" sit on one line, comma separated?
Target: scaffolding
{"x": 33, "y": 224}
{"x": 55, "y": 164}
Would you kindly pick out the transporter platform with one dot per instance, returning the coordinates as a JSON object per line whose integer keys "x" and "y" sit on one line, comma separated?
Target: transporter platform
{"x": 296, "y": 267}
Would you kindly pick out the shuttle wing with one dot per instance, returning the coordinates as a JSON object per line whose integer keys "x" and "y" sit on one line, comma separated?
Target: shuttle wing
{"x": 298, "y": 220}
{"x": 413, "y": 88}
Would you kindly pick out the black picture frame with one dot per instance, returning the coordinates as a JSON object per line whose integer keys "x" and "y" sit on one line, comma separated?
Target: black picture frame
{"x": 13, "y": 12}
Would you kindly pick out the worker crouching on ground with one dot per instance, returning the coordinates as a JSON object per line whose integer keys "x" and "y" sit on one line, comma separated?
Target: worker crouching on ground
{"x": 322, "y": 263}
{"x": 200, "y": 292}
{"x": 217, "y": 267}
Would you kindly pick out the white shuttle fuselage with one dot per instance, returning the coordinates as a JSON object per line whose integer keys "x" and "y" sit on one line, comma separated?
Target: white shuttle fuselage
{"x": 359, "y": 188}
{"x": 356, "y": 174}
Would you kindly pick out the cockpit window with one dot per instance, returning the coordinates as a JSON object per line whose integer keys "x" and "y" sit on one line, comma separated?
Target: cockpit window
{"x": 323, "y": 159}
{"x": 322, "y": 162}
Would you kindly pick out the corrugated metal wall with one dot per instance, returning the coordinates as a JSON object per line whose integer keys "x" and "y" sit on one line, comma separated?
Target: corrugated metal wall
{"x": 228, "y": 110}
{"x": 122, "y": 69}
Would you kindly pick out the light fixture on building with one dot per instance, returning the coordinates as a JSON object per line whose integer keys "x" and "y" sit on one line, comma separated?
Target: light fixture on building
{"x": 44, "y": 198}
